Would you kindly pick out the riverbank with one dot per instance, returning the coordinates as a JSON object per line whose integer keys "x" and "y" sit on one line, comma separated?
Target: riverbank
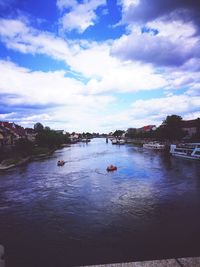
{"x": 38, "y": 153}
{"x": 13, "y": 162}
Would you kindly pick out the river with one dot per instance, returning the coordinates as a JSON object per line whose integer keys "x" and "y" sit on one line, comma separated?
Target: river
{"x": 79, "y": 214}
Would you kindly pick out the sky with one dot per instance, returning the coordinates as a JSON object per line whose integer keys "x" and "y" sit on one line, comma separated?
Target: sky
{"x": 99, "y": 65}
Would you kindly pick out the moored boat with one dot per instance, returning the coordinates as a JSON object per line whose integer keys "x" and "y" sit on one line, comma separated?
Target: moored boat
{"x": 118, "y": 142}
{"x": 121, "y": 142}
{"x": 154, "y": 146}
{"x": 188, "y": 150}
{"x": 85, "y": 140}
{"x": 114, "y": 141}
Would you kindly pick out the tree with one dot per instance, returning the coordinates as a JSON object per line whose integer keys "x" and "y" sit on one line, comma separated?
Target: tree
{"x": 47, "y": 128}
{"x": 198, "y": 129}
{"x": 196, "y": 137}
{"x": 171, "y": 129}
{"x": 51, "y": 139}
{"x": 38, "y": 127}
{"x": 118, "y": 133}
{"x": 131, "y": 133}
{"x": 24, "y": 146}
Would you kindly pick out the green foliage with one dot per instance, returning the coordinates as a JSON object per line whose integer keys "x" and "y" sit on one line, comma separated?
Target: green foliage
{"x": 49, "y": 138}
{"x": 171, "y": 129}
{"x": 38, "y": 127}
{"x": 134, "y": 134}
{"x": 131, "y": 133}
{"x": 196, "y": 137}
{"x": 118, "y": 133}
{"x": 23, "y": 147}
{"x": 47, "y": 128}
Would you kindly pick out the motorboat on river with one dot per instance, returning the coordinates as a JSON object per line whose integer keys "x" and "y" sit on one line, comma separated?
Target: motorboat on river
{"x": 154, "y": 146}
{"x": 188, "y": 150}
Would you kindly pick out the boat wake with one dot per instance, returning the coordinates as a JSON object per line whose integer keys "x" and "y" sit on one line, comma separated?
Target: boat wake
{"x": 101, "y": 173}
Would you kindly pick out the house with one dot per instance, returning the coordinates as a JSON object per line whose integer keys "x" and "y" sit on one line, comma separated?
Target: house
{"x": 12, "y": 132}
{"x": 146, "y": 129}
{"x": 2, "y": 138}
{"x": 30, "y": 134}
{"x": 60, "y": 131}
{"x": 6, "y": 137}
{"x": 190, "y": 127}
{"x": 74, "y": 137}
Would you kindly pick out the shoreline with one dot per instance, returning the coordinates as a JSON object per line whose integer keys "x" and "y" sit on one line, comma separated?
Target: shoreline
{"x": 24, "y": 160}
{"x": 19, "y": 163}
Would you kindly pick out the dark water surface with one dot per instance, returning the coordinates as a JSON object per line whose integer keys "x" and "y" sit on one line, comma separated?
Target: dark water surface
{"x": 80, "y": 214}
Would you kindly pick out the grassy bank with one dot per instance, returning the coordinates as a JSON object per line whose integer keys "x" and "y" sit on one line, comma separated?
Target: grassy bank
{"x": 19, "y": 158}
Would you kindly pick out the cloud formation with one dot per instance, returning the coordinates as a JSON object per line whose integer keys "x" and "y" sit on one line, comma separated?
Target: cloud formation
{"x": 145, "y": 11}
{"x": 93, "y": 60}
{"x": 174, "y": 44}
{"x": 79, "y": 16}
{"x": 154, "y": 67}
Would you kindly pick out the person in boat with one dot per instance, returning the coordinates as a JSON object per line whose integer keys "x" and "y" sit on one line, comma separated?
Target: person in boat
{"x": 111, "y": 168}
{"x": 60, "y": 163}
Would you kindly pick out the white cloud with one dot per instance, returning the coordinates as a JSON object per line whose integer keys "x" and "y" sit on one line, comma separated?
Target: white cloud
{"x": 127, "y": 77}
{"x": 126, "y": 4}
{"x": 175, "y": 29}
{"x": 173, "y": 45}
{"x": 37, "y": 87}
{"x": 161, "y": 107}
{"x": 74, "y": 104}
{"x": 6, "y": 116}
{"x": 64, "y": 99}
{"x": 62, "y": 4}
{"x": 93, "y": 60}
{"x": 19, "y": 36}
{"x": 81, "y": 16}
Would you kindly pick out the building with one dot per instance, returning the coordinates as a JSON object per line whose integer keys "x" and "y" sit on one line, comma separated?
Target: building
{"x": 30, "y": 134}
{"x": 74, "y": 137}
{"x": 146, "y": 129}
{"x": 11, "y": 132}
{"x": 190, "y": 127}
{"x": 2, "y": 137}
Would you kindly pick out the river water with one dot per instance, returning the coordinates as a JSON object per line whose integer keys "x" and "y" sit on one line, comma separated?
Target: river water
{"x": 79, "y": 214}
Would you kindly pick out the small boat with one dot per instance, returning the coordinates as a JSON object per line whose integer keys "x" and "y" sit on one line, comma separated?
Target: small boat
{"x": 85, "y": 140}
{"x": 121, "y": 142}
{"x": 111, "y": 168}
{"x": 114, "y": 141}
{"x": 187, "y": 151}
{"x": 60, "y": 163}
{"x": 154, "y": 146}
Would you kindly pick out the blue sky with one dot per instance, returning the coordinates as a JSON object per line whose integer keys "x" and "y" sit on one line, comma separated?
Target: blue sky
{"x": 97, "y": 65}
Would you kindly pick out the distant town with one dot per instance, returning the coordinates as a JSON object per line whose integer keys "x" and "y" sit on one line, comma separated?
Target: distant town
{"x": 18, "y": 143}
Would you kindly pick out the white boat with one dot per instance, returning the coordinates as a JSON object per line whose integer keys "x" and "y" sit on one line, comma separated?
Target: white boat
{"x": 121, "y": 142}
{"x": 188, "y": 151}
{"x": 114, "y": 141}
{"x": 154, "y": 146}
{"x": 118, "y": 141}
{"x": 85, "y": 140}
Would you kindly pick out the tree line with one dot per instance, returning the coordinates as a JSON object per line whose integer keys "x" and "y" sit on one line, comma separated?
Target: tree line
{"x": 170, "y": 130}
